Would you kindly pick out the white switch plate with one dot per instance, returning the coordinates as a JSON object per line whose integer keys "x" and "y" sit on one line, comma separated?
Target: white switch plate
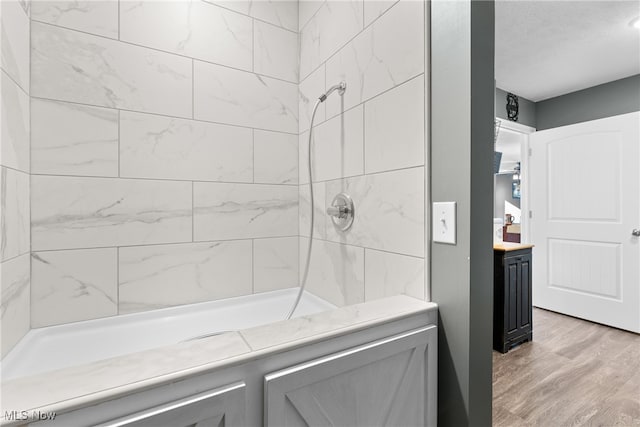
{"x": 444, "y": 222}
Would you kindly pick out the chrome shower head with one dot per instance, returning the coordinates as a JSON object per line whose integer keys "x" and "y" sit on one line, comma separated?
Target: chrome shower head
{"x": 340, "y": 87}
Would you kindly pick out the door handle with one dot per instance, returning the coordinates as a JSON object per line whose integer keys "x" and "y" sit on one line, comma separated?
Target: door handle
{"x": 636, "y": 232}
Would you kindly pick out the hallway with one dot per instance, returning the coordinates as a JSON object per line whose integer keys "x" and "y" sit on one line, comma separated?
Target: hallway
{"x": 574, "y": 373}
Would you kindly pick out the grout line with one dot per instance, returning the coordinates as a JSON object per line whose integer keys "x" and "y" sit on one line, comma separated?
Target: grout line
{"x": 366, "y": 248}
{"x": 159, "y": 114}
{"x": 14, "y": 81}
{"x": 249, "y": 16}
{"x": 239, "y": 239}
{"x": 193, "y": 212}
{"x": 253, "y": 266}
{"x": 159, "y": 179}
{"x": 15, "y": 170}
{"x": 15, "y": 256}
{"x": 117, "y": 280}
{"x": 193, "y": 89}
{"x": 339, "y": 48}
{"x": 118, "y": 20}
{"x": 166, "y": 52}
{"x": 253, "y": 45}
{"x": 119, "y": 149}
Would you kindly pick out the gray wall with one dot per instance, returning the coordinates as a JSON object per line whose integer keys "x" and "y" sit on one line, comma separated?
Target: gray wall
{"x": 526, "y": 111}
{"x": 606, "y": 100}
{"x": 462, "y": 82}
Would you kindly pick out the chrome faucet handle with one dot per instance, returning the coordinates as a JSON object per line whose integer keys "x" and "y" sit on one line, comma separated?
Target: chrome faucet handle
{"x": 342, "y": 211}
{"x": 338, "y": 211}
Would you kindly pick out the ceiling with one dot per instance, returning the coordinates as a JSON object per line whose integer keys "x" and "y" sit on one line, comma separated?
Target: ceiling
{"x": 549, "y": 48}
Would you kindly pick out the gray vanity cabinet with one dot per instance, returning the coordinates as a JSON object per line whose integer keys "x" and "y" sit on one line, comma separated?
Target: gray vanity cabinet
{"x": 390, "y": 382}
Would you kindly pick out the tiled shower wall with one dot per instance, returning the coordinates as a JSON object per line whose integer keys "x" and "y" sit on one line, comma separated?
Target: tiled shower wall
{"x": 369, "y": 143}
{"x": 14, "y": 174}
{"x": 164, "y": 154}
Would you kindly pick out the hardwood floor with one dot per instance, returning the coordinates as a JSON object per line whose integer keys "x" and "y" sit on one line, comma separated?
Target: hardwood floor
{"x": 574, "y": 373}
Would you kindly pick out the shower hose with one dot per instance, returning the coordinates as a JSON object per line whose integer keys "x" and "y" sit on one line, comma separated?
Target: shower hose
{"x": 303, "y": 284}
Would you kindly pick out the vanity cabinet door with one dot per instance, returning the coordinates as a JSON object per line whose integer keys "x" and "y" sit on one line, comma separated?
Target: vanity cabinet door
{"x": 221, "y": 407}
{"x": 387, "y": 382}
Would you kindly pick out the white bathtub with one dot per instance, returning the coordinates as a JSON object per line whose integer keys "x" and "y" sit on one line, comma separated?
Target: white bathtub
{"x": 56, "y": 347}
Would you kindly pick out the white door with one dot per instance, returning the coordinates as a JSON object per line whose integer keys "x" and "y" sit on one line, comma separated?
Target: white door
{"x": 585, "y": 191}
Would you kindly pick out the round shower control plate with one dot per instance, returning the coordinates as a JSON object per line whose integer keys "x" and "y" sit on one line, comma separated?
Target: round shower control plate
{"x": 342, "y": 211}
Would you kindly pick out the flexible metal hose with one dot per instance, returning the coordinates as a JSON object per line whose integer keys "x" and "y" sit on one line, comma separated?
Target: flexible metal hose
{"x": 303, "y": 283}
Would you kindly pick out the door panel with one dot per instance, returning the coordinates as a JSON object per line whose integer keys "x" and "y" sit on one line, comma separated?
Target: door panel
{"x": 585, "y": 191}
{"x": 388, "y": 382}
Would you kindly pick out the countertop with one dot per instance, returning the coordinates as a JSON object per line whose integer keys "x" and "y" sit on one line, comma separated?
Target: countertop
{"x": 508, "y": 246}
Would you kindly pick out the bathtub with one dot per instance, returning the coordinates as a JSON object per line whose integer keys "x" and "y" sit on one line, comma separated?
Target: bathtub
{"x": 56, "y": 347}
{"x": 155, "y": 369}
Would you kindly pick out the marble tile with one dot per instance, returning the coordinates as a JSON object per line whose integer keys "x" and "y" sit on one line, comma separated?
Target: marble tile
{"x": 26, "y": 6}
{"x": 14, "y": 301}
{"x": 306, "y": 10}
{"x": 309, "y": 91}
{"x": 389, "y": 211}
{"x": 73, "y": 139}
{"x": 275, "y": 52}
{"x": 192, "y": 28}
{"x": 275, "y": 157}
{"x": 341, "y": 320}
{"x": 338, "y": 148}
{"x": 386, "y": 54}
{"x": 283, "y": 13}
{"x": 98, "y": 17}
{"x": 15, "y": 125}
{"x": 320, "y": 217}
{"x": 275, "y": 264}
{"x": 333, "y": 25}
{"x": 14, "y": 42}
{"x": 387, "y": 274}
{"x": 163, "y": 147}
{"x": 68, "y": 65}
{"x": 236, "y": 97}
{"x": 161, "y": 276}
{"x": 14, "y": 213}
{"x": 238, "y": 211}
{"x": 80, "y": 385}
{"x": 373, "y": 9}
{"x": 71, "y": 286}
{"x": 394, "y": 128}
{"x": 70, "y": 212}
{"x": 336, "y": 271}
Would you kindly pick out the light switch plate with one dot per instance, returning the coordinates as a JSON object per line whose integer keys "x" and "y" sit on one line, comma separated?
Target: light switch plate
{"x": 444, "y": 222}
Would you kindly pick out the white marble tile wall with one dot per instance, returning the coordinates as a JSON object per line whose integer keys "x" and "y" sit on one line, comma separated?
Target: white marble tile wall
{"x": 98, "y": 17}
{"x": 15, "y": 245}
{"x": 74, "y": 285}
{"x": 160, "y": 276}
{"x": 14, "y": 103}
{"x": 73, "y": 139}
{"x": 370, "y": 143}
{"x": 164, "y": 154}
{"x": 14, "y": 301}
{"x": 240, "y": 211}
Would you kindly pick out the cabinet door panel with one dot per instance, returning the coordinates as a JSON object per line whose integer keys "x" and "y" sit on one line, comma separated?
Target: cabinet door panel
{"x": 221, "y": 407}
{"x": 388, "y": 382}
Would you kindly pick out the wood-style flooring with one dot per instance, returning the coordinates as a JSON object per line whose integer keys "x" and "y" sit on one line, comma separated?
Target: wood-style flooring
{"x": 574, "y": 373}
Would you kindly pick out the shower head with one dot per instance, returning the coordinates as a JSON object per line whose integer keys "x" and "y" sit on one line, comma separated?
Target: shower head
{"x": 340, "y": 87}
